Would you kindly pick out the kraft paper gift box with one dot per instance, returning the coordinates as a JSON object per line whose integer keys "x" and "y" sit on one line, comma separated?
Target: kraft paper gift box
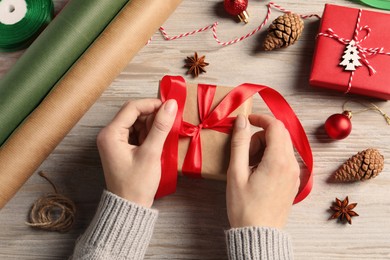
{"x": 215, "y": 145}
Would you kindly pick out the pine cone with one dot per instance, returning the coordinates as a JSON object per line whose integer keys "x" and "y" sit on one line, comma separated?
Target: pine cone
{"x": 283, "y": 31}
{"x": 362, "y": 166}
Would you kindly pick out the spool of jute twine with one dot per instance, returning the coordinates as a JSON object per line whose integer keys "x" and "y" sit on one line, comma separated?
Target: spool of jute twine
{"x": 53, "y": 211}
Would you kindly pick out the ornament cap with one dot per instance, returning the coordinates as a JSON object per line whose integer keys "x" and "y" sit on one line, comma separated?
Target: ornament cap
{"x": 347, "y": 113}
{"x": 243, "y": 16}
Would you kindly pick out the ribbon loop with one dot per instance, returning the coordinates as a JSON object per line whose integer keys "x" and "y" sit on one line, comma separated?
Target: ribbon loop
{"x": 365, "y": 28}
{"x": 218, "y": 120}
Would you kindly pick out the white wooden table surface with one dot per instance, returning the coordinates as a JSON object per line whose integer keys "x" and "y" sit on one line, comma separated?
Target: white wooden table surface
{"x": 192, "y": 221}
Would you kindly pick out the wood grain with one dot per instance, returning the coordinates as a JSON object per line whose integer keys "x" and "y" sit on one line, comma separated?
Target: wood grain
{"x": 192, "y": 221}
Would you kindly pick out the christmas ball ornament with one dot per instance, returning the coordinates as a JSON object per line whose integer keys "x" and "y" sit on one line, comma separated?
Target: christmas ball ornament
{"x": 237, "y": 8}
{"x": 283, "y": 32}
{"x": 362, "y": 166}
{"x": 339, "y": 126}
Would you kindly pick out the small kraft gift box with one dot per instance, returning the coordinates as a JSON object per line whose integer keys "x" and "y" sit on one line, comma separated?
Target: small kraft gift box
{"x": 215, "y": 145}
{"x": 352, "y": 53}
{"x": 199, "y": 143}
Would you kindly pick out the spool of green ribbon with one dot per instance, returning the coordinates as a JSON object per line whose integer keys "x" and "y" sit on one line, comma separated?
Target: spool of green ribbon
{"x": 380, "y": 4}
{"x": 21, "y": 21}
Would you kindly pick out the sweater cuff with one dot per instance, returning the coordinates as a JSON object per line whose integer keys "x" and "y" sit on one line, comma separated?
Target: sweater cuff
{"x": 120, "y": 229}
{"x": 258, "y": 243}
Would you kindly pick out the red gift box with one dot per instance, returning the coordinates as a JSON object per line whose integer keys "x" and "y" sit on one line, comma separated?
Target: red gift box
{"x": 371, "y": 32}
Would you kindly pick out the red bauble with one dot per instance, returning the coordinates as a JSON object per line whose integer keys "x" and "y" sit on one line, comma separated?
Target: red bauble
{"x": 237, "y": 7}
{"x": 339, "y": 126}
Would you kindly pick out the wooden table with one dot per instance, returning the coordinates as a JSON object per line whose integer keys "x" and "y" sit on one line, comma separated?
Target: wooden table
{"x": 192, "y": 221}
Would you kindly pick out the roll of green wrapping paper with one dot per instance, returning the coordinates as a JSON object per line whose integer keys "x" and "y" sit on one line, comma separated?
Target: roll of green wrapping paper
{"x": 380, "y": 4}
{"x": 50, "y": 56}
{"x": 77, "y": 91}
{"x": 21, "y": 21}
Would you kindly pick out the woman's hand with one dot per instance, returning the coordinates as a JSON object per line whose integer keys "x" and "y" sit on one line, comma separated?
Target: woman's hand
{"x": 130, "y": 148}
{"x": 261, "y": 194}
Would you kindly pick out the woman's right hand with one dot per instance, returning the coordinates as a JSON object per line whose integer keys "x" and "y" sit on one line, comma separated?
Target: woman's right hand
{"x": 263, "y": 175}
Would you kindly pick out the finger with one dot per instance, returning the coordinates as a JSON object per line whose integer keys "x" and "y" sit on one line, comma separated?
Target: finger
{"x": 277, "y": 137}
{"x": 131, "y": 110}
{"x": 239, "y": 157}
{"x": 263, "y": 121}
{"x": 137, "y": 133}
{"x": 149, "y": 122}
{"x": 146, "y": 126}
{"x": 257, "y": 147}
{"x": 257, "y": 142}
{"x": 278, "y": 145}
{"x": 161, "y": 126}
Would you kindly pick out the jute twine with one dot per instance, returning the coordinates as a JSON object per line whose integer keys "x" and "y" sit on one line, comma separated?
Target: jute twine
{"x": 52, "y": 212}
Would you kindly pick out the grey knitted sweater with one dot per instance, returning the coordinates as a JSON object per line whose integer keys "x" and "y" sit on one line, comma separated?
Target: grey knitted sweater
{"x": 122, "y": 230}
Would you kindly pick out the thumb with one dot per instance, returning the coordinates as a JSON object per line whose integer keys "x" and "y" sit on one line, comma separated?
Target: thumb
{"x": 239, "y": 157}
{"x": 161, "y": 127}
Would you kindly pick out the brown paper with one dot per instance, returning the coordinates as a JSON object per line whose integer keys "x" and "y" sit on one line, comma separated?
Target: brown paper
{"x": 215, "y": 145}
{"x": 77, "y": 91}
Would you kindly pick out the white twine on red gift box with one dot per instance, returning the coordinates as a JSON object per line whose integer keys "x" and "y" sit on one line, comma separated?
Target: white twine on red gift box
{"x": 213, "y": 27}
{"x": 363, "y": 51}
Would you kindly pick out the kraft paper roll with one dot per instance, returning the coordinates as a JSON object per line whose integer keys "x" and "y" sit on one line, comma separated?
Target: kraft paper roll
{"x": 77, "y": 91}
{"x": 50, "y": 56}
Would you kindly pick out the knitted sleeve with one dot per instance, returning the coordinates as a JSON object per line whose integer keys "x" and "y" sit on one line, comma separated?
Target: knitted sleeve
{"x": 258, "y": 243}
{"x": 119, "y": 230}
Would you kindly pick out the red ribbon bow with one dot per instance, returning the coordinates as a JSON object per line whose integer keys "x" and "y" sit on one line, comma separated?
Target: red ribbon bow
{"x": 192, "y": 164}
{"x": 174, "y": 87}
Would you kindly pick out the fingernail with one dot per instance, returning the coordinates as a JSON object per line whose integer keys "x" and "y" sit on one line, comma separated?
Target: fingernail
{"x": 240, "y": 121}
{"x": 171, "y": 106}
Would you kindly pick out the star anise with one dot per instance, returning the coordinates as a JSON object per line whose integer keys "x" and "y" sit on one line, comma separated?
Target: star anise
{"x": 343, "y": 210}
{"x": 196, "y": 65}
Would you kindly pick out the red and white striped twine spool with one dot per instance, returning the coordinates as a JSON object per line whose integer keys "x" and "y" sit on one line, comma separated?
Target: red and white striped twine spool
{"x": 238, "y": 39}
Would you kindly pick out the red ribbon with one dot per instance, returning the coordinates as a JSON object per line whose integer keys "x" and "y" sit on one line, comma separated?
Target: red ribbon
{"x": 174, "y": 87}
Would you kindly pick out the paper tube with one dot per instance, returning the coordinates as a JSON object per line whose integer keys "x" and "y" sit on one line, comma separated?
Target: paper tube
{"x": 77, "y": 91}
{"x": 50, "y": 56}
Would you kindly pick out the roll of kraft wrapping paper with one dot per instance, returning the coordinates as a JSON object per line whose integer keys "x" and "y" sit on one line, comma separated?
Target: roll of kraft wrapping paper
{"x": 21, "y": 21}
{"x": 77, "y": 91}
{"x": 50, "y": 56}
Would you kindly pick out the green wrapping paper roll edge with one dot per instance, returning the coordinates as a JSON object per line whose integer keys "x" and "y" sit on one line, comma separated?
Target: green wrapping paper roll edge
{"x": 19, "y": 35}
{"x": 50, "y": 56}
{"x": 380, "y": 4}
